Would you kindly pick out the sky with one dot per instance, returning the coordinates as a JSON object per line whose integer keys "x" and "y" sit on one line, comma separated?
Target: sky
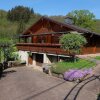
{"x": 54, "y": 7}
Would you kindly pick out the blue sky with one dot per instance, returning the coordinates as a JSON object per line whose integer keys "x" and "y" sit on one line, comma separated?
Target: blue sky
{"x": 54, "y": 7}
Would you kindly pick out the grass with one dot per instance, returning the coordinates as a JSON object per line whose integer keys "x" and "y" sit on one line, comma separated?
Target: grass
{"x": 61, "y": 67}
{"x": 97, "y": 57}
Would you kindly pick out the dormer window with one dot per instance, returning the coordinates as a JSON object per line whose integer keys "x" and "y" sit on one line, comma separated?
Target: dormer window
{"x": 69, "y": 20}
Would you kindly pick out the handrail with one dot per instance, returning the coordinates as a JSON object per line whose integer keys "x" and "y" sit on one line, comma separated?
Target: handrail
{"x": 38, "y": 44}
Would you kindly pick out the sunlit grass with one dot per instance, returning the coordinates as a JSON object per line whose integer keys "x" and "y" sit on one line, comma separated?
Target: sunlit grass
{"x": 97, "y": 57}
{"x": 61, "y": 67}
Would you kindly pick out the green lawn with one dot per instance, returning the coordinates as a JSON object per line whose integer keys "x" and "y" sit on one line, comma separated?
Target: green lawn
{"x": 97, "y": 57}
{"x": 61, "y": 67}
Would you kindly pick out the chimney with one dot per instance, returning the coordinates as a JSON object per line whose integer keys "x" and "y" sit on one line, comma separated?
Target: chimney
{"x": 69, "y": 20}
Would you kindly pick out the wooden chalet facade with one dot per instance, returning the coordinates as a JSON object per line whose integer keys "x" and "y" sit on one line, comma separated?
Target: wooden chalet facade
{"x": 43, "y": 38}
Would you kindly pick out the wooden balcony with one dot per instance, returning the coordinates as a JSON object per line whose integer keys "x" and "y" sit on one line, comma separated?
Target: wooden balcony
{"x": 42, "y": 48}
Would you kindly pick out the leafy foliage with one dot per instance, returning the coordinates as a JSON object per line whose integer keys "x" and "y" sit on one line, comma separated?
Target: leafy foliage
{"x": 19, "y": 13}
{"x": 8, "y": 30}
{"x": 83, "y": 18}
{"x": 7, "y": 52}
{"x": 2, "y": 14}
{"x": 11, "y": 29}
{"x": 21, "y": 27}
{"x": 97, "y": 26}
{"x": 72, "y": 42}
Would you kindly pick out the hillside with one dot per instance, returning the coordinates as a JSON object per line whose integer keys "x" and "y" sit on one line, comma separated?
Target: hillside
{"x": 97, "y": 26}
{"x": 10, "y": 28}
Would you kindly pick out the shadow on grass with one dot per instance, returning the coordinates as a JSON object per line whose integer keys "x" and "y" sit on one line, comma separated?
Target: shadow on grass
{"x": 82, "y": 84}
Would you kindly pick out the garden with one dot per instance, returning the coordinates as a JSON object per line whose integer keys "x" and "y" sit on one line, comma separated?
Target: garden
{"x": 74, "y": 68}
{"x": 97, "y": 57}
{"x": 72, "y": 71}
{"x": 62, "y": 67}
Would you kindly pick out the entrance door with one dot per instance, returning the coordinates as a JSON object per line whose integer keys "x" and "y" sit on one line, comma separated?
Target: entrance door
{"x": 39, "y": 59}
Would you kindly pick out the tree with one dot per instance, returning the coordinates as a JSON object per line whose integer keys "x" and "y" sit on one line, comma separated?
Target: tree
{"x": 83, "y": 18}
{"x": 21, "y": 27}
{"x": 32, "y": 11}
{"x": 21, "y": 15}
{"x": 7, "y": 47}
{"x": 2, "y": 14}
{"x": 72, "y": 43}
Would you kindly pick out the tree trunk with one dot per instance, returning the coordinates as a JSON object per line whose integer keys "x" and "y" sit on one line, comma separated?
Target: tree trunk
{"x": 73, "y": 58}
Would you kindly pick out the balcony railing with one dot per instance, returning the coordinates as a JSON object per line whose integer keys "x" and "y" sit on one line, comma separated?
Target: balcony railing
{"x": 42, "y": 48}
{"x": 52, "y": 48}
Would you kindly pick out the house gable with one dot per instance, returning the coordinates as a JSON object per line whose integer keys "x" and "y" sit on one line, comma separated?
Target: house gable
{"x": 46, "y": 25}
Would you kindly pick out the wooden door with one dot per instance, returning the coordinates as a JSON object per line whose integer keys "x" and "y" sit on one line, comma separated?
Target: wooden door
{"x": 30, "y": 60}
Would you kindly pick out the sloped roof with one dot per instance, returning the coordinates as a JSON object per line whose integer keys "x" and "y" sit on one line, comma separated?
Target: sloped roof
{"x": 70, "y": 26}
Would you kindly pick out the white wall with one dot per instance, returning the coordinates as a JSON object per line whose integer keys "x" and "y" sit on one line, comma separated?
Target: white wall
{"x": 23, "y": 56}
{"x": 34, "y": 59}
{"x": 46, "y": 58}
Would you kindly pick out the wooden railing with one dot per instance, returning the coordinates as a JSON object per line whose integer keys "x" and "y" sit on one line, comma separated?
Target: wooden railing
{"x": 53, "y": 48}
{"x": 42, "y": 48}
{"x": 90, "y": 50}
{"x": 39, "y": 44}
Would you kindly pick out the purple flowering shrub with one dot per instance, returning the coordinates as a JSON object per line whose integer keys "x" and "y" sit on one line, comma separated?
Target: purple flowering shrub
{"x": 75, "y": 74}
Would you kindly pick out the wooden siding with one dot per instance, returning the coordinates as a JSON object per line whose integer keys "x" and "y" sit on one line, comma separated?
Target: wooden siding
{"x": 42, "y": 48}
{"x": 90, "y": 50}
{"x": 53, "y": 48}
{"x": 49, "y": 43}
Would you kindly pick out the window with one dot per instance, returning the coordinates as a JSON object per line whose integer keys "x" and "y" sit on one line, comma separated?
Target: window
{"x": 29, "y": 40}
{"x": 41, "y": 39}
{"x": 55, "y": 38}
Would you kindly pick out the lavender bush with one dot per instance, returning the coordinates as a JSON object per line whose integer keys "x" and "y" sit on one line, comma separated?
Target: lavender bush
{"x": 72, "y": 75}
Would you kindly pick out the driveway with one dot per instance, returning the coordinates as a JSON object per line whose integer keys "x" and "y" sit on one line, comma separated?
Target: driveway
{"x": 24, "y": 83}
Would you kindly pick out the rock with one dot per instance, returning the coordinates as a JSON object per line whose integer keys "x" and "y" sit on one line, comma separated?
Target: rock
{"x": 46, "y": 68}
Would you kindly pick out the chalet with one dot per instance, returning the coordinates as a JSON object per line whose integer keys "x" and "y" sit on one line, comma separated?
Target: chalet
{"x": 40, "y": 43}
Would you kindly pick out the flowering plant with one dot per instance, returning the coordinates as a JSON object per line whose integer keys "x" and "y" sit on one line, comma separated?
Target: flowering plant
{"x": 72, "y": 75}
